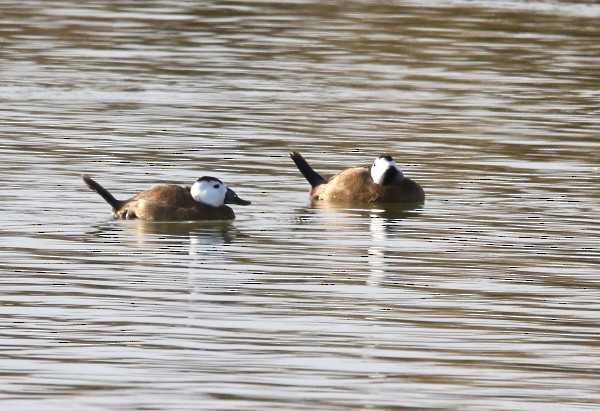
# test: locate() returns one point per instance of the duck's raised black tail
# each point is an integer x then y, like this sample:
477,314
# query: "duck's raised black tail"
108,197
307,171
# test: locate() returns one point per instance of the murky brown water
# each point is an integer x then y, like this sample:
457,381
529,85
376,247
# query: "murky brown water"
485,298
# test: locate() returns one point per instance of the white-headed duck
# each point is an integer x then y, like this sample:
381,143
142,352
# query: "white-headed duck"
205,200
381,182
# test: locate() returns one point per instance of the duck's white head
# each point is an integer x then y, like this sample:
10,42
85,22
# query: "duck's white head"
214,192
385,171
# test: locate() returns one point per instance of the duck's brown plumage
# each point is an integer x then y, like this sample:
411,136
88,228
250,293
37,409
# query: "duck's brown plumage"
357,185
165,202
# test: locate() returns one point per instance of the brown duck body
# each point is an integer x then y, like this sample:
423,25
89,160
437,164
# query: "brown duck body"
170,202
165,202
356,185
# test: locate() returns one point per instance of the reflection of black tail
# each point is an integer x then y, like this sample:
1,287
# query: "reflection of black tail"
311,175
108,197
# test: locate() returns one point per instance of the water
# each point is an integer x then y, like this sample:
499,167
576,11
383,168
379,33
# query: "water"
485,298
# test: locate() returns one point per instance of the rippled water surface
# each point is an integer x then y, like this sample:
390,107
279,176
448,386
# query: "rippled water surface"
487,297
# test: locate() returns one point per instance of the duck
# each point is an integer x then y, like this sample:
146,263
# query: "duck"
204,200
381,182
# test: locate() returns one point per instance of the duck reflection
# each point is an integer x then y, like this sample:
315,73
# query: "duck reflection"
174,236
207,243
387,211
384,227
380,229
216,230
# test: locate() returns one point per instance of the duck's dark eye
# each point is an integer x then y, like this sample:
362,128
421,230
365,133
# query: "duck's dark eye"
216,186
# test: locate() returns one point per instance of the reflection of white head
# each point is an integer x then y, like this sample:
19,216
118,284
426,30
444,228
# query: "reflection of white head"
209,190
385,171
